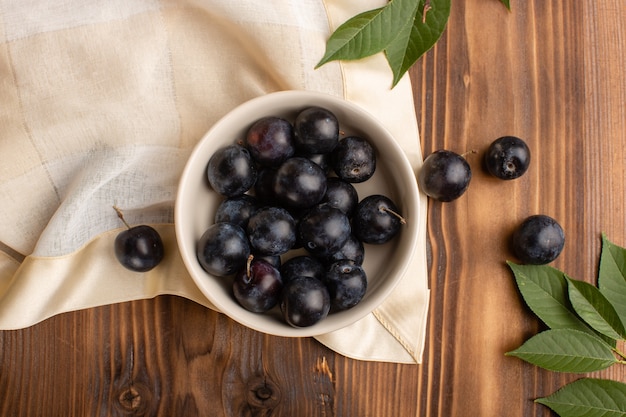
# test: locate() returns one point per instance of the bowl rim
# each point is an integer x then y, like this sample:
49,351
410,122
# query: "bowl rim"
189,255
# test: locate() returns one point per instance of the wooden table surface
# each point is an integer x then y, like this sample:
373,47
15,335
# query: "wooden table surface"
551,72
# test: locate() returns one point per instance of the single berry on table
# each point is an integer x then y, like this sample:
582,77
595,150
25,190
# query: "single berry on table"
507,158
538,240
444,175
138,248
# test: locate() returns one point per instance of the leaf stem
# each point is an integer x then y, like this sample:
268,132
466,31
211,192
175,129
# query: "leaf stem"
621,355
427,7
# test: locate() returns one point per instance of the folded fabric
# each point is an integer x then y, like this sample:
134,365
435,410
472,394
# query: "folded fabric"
103,103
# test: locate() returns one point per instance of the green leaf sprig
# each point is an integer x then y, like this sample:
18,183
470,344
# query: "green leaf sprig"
585,327
403,29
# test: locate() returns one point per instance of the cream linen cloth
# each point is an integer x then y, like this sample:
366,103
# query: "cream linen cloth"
102,103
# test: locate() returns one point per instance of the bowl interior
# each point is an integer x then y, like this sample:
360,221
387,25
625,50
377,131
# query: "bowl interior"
385,265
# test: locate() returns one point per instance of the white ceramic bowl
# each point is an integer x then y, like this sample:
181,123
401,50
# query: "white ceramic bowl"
384,264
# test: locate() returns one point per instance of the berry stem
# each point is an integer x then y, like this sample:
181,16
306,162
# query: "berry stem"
387,209
121,216
248,265
469,152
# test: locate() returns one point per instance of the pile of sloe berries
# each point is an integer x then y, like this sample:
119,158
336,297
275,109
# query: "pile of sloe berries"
289,185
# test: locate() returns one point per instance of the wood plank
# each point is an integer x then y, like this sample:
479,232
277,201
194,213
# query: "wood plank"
524,73
171,356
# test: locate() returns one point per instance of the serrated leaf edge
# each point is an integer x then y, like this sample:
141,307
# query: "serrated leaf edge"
519,275
606,278
332,56
553,332
409,22
605,327
598,382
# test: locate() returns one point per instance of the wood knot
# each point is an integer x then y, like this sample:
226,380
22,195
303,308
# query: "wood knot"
130,399
263,393
134,399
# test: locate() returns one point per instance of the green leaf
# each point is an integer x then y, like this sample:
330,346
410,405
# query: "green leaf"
595,309
612,276
544,289
418,37
506,4
361,36
566,350
588,397
404,29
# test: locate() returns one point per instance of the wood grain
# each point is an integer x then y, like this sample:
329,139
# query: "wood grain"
170,356
549,72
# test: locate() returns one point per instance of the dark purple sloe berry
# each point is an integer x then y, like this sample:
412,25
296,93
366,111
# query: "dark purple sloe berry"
377,219
270,140
223,249
299,183
507,158
271,231
304,301
236,210
231,171
347,283
138,248
317,130
538,240
444,175
354,159
257,286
